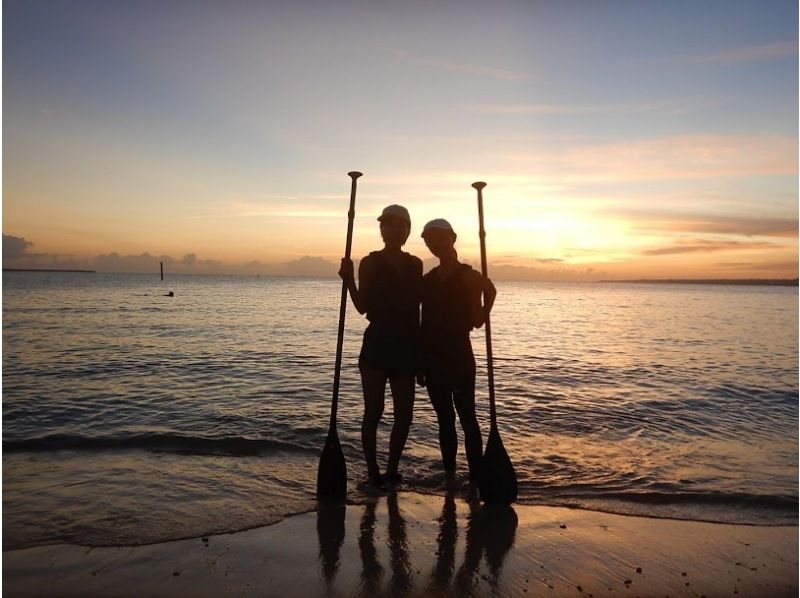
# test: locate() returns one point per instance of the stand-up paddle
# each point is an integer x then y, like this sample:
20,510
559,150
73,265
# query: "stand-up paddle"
498,484
332,472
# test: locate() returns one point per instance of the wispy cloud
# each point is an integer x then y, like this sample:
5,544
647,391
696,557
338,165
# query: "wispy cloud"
456,67
673,108
779,49
700,246
788,266
664,158
748,226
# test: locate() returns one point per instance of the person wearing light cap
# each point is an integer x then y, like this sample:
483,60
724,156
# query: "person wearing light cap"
389,294
451,308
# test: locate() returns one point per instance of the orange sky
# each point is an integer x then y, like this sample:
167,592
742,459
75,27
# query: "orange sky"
227,135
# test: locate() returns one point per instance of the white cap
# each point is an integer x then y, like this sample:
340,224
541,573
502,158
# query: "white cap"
397,212
439,223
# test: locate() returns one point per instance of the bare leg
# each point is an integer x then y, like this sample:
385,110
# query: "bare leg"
442,401
373,383
403,401
464,400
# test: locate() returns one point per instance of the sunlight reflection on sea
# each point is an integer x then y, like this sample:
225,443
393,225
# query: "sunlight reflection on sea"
131,417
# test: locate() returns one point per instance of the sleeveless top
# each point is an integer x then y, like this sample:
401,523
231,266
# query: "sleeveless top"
391,341
446,324
394,293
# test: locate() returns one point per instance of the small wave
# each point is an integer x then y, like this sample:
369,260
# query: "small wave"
714,507
740,499
173,443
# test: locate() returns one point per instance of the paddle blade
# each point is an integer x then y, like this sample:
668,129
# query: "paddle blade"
332,472
498,483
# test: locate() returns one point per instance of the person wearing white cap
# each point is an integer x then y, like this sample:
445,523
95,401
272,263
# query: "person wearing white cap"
389,294
451,307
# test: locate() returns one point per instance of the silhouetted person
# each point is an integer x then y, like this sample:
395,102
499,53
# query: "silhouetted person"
330,532
389,293
451,308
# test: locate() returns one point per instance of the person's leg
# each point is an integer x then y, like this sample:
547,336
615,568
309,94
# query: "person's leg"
464,400
373,383
403,401
442,402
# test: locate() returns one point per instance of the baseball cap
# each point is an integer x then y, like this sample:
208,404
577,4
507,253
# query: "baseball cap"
397,212
439,223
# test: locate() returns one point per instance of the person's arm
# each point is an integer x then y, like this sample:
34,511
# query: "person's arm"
364,271
480,287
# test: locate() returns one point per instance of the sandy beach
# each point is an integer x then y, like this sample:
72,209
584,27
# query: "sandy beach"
419,545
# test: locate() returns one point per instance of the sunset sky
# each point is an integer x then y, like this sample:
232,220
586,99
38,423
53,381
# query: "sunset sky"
618,139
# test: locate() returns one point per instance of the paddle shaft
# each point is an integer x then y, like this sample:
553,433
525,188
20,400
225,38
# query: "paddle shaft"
343,303
487,324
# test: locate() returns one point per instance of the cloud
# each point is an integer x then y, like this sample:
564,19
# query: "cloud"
308,266
771,51
667,158
508,272
189,260
790,266
705,247
16,255
14,247
143,262
748,226
469,69
673,108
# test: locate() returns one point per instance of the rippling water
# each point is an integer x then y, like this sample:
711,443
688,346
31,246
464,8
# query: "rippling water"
131,417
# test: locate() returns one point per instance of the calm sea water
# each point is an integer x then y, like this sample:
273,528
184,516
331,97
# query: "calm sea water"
130,417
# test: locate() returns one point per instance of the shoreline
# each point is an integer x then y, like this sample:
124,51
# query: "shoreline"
414,544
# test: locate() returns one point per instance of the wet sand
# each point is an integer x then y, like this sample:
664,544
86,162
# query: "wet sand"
418,545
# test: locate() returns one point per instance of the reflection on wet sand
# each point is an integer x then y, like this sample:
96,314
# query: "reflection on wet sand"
402,579
371,568
472,552
446,540
499,523
330,532
489,533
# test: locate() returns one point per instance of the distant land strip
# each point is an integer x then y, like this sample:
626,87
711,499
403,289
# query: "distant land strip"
774,282
44,270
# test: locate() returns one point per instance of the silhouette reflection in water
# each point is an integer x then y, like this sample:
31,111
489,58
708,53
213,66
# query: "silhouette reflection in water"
472,552
398,547
330,532
371,569
490,532
446,540
499,524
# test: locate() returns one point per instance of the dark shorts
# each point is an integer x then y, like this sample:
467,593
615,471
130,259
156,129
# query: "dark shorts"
394,352
451,366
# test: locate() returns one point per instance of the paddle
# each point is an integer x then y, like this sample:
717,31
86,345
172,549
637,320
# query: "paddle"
498,483
332,472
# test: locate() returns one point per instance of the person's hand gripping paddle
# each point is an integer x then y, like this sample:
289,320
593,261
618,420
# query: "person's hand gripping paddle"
498,483
332,472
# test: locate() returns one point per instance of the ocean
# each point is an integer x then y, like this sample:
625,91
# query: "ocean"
130,417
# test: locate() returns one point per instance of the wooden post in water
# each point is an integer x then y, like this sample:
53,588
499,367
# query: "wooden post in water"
162,270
